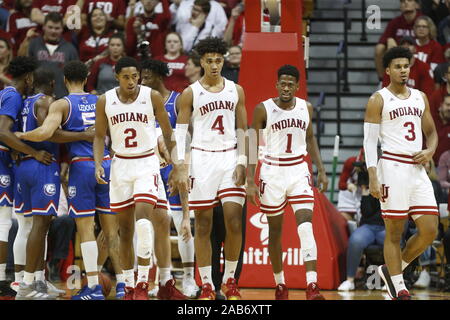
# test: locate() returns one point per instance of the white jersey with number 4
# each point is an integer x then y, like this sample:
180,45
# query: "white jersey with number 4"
214,117
286,129
401,122
131,125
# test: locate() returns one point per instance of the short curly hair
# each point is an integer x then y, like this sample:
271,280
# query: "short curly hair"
126,62
76,71
211,45
20,66
289,70
395,53
156,66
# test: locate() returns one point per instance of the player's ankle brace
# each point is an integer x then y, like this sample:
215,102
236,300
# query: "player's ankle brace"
308,243
144,239
5,222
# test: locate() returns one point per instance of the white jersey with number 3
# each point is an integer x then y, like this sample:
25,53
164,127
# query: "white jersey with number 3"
214,117
286,129
401,122
131,125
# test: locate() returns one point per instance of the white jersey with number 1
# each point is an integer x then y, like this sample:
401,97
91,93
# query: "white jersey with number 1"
131,125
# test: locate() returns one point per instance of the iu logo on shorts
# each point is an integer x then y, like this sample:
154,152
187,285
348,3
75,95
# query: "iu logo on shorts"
384,192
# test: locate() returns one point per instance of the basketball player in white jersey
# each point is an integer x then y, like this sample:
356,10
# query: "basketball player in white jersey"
136,190
397,115
216,108
285,177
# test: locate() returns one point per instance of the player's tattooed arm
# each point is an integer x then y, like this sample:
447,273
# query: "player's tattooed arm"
313,149
372,120
239,175
12,141
258,124
101,127
430,133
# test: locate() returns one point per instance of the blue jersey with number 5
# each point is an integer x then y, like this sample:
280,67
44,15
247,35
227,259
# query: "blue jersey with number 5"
81,117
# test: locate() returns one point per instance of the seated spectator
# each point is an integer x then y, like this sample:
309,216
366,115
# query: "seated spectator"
193,69
442,123
235,27
20,22
176,61
51,50
6,7
371,231
428,49
437,10
114,10
42,7
443,171
93,38
199,19
5,58
102,77
420,76
149,26
397,28
441,70
349,197
232,64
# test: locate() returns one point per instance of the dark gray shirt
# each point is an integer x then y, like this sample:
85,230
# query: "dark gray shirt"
64,53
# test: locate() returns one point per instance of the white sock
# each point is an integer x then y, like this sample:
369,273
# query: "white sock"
39,275
89,252
188,272
120,277
129,277
205,275
143,273
28,278
18,276
311,276
99,268
230,269
279,278
3,272
186,249
164,275
399,283
404,265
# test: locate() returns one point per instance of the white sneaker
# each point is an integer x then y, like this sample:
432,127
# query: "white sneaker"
423,281
54,291
15,286
347,286
190,288
154,292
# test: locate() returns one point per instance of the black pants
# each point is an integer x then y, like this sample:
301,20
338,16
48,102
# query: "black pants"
61,231
218,239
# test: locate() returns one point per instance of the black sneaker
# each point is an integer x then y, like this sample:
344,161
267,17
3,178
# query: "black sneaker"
384,274
6,293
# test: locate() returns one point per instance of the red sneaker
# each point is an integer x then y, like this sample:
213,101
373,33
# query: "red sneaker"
282,292
207,292
129,293
141,291
170,292
403,295
230,290
312,292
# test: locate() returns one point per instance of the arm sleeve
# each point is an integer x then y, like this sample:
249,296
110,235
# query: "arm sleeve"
131,38
371,132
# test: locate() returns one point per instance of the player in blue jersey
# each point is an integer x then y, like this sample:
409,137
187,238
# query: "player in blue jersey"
21,69
153,73
76,112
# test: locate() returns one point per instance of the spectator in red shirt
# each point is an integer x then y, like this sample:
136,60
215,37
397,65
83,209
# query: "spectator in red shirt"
420,76
114,9
102,77
428,49
149,26
5,58
20,22
235,28
442,122
42,7
396,29
93,38
176,61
